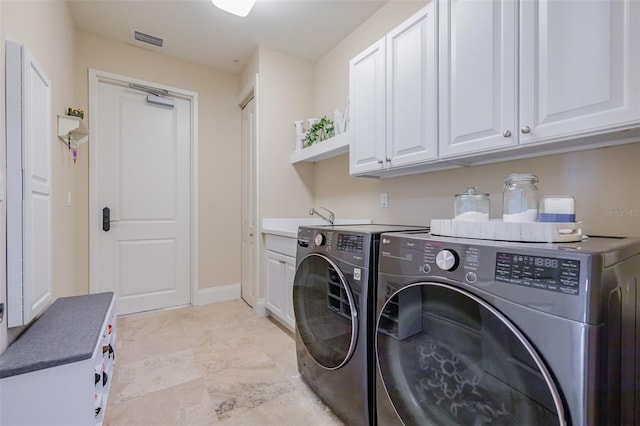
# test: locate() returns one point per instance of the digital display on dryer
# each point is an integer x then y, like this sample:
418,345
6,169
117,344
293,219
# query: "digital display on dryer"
350,243
545,273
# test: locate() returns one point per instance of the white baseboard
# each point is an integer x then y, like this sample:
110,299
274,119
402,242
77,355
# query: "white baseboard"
261,308
219,294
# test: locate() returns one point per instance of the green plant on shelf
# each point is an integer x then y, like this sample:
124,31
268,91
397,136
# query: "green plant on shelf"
319,131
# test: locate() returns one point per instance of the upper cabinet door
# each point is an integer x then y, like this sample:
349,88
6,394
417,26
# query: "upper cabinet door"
412,101
367,109
477,80
579,67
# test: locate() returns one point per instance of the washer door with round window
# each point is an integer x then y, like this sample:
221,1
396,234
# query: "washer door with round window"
446,357
325,310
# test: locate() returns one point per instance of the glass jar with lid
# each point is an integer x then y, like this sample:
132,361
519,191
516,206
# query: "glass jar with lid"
472,205
520,198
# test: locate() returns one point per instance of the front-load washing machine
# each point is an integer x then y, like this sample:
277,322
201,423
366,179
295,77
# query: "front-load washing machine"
473,332
334,304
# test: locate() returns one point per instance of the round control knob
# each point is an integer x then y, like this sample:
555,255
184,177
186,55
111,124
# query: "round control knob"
447,260
319,239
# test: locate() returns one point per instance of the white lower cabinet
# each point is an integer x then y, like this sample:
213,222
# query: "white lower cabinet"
59,371
280,272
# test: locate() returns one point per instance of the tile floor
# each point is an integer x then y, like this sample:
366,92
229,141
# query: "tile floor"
207,365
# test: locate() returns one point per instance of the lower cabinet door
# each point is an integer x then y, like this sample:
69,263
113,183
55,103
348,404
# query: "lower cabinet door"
290,273
280,270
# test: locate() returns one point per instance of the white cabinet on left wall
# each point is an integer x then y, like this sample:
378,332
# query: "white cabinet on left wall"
29,187
59,371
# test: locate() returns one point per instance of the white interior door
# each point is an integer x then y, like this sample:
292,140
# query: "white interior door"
249,211
144,178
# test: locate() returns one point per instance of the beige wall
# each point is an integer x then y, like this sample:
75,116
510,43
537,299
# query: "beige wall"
604,181
250,69
285,95
219,148
46,28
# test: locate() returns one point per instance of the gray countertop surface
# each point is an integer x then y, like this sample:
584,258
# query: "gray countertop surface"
67,332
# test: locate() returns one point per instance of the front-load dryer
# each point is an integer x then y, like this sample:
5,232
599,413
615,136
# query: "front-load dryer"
473,332
334,302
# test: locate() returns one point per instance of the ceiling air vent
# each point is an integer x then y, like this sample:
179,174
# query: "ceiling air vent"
147,38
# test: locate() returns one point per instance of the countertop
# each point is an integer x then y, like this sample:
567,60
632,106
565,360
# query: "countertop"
288,227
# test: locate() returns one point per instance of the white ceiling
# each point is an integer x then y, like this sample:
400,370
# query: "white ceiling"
197,31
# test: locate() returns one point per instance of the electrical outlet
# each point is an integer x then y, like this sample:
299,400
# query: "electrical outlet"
384,200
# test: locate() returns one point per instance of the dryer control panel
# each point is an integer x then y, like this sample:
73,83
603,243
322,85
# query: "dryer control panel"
546,273
544,277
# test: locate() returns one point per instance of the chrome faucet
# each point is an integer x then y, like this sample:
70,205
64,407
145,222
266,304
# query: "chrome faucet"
329,219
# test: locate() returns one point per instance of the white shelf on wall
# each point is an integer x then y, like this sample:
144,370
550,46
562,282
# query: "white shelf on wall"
336,145
71,130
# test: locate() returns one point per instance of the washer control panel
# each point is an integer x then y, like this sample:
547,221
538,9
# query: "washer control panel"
481,263
350,242
348,246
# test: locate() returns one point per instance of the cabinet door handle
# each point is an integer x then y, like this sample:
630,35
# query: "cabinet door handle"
506,133
380,161
525,129
388,160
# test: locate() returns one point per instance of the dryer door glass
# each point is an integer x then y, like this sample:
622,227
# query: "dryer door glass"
447,357
325,311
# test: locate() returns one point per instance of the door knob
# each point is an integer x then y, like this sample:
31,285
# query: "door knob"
106,219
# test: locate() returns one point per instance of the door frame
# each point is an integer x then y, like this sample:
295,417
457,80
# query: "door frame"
248,92
95,215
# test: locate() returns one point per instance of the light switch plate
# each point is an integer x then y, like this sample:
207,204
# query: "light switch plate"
384,200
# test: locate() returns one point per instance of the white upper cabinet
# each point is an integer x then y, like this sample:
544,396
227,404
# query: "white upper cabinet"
478,68
393,98
572,74
579,67
412,101
367,109
474,81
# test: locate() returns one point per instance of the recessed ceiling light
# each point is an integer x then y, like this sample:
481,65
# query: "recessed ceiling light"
236,7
